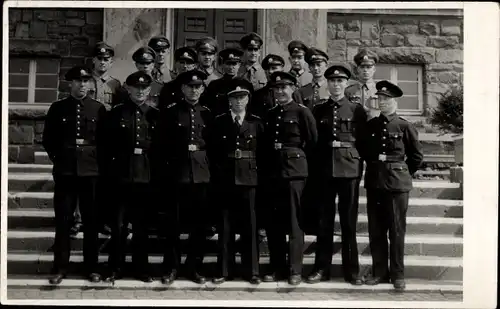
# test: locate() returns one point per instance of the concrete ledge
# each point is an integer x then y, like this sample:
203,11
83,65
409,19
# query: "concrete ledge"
457,174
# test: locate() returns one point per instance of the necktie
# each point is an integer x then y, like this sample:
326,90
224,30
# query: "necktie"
237,122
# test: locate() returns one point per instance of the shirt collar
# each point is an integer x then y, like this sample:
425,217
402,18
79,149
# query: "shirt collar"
370,84
242,116
389,118
297,73
320,83
340,102
103,77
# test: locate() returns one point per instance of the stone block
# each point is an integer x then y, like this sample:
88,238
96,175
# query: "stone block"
351,52
440,67
353,25
75,22
363,42
63,48
398,20
20,134
22,30
444,41
458,67
448,77
68,62
27,15
13,154
370,29
392,40
45,14
94,17
15,15
331,32
64,86
437,87
26,154
337,50
416,40
38,29
68,31
80,50
353,34
408,55
79,41
449,55
71,13
457,172
429,27
341,35
400,29
451,27
39,125
93,30
27,113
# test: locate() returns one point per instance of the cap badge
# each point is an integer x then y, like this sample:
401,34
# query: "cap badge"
83,72
365,57
295,49
238,88
186,55
278,78
162,43
103,50
270,60
314,57
145,55
141,79
336,72
384,88
252,42
231,56
195,77
206,45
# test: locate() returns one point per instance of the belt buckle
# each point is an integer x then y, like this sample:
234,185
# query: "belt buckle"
192,147
336,144
382,157
237,154
278,146
79,141
138,151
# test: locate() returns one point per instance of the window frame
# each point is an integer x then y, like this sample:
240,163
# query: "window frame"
31,87
394,79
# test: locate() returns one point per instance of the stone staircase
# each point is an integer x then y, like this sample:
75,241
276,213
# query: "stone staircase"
434,242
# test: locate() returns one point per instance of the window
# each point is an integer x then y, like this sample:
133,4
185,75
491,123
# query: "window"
33,80
409,79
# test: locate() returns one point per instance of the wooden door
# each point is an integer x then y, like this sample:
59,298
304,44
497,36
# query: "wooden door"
226,26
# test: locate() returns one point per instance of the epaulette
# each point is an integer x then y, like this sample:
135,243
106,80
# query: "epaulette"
153,107
403,118
116,105
255,116
171,105
302,105
274,106
114,78
218,116
206,108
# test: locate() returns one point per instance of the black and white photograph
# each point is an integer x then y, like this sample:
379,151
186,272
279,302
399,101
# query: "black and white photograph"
253,154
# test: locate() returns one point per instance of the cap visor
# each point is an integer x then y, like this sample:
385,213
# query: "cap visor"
234,92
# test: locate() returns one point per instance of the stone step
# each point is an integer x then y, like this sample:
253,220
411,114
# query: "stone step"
43,182
332,286
417,244
416,267
42,220
418,207
47,168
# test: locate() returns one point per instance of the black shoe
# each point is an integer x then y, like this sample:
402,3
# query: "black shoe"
113,276
399,285
355,280
317,276
273,277
170,278
376,280
147,278
106,230
75,229
94,277
294,280
57,278
219,280
255,280
197,278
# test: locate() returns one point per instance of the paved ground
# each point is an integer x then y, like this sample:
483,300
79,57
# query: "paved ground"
110,294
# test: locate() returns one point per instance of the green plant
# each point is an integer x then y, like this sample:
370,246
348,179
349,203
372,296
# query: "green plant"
448,116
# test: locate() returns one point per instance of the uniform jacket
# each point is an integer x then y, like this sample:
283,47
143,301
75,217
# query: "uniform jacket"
170,93
215,96
303,77
162,74
397,139
262,101
311,94
211,76
184,127
72,130
130,130
105,89
154,95
227,140
291,129
342,122
359,92
254,74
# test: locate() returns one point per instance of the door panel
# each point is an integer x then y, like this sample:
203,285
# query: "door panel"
193,25
231,25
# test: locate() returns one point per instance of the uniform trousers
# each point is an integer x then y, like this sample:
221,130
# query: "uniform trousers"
346,189
68,191
285,218
237,215
189,207
387,212
133,206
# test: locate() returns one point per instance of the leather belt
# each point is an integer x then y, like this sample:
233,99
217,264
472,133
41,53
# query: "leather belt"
390,158
193,147
339,144
138,151
241,154
81,141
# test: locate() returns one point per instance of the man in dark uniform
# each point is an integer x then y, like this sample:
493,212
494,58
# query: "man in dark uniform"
263,99
215,97
144,58
362,90
207,52
236,137
105,89
185,60
393,154
337,166
130,128
297,51
317,90
182,143
290,138
71,134
251,69
161,47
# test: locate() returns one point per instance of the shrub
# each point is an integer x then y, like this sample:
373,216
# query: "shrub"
448,116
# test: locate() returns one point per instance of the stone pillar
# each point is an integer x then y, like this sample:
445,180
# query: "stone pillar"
127,29
285,25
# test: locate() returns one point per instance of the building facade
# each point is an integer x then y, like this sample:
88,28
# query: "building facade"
421,50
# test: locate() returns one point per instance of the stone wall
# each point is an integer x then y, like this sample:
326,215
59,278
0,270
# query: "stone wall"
65,35
436,42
